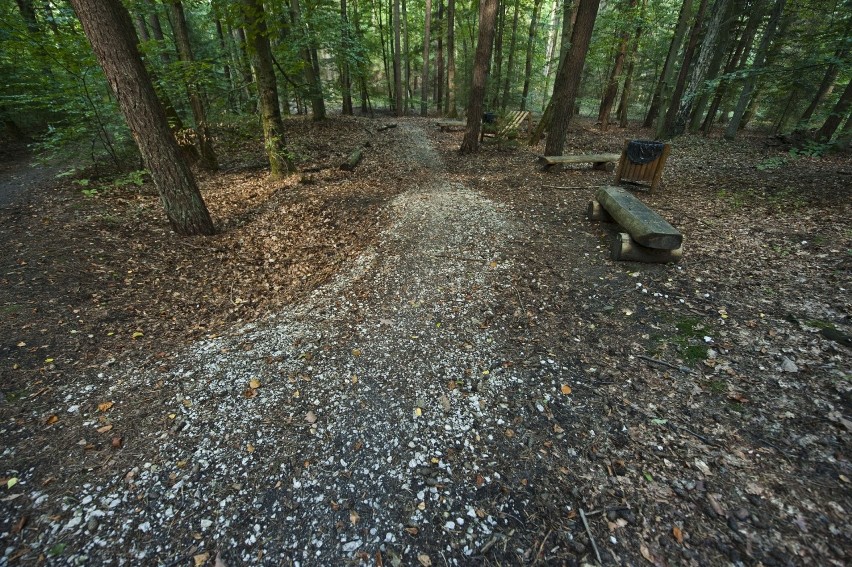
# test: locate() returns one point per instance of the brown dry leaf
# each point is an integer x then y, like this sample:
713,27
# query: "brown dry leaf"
566,389
557,429
354,517
254,383
219,561
379,561
356,352
678,534
52,419
451,385
19,525
715,505
105,428
510,433
200,559
249,448
479,480
413,530
116,442
424,560
358,445
311,417
250,393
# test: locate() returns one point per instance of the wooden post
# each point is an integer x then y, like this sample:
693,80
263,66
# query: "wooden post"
625,248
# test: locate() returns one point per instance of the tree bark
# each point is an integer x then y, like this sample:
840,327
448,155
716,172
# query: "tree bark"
397,70
439,60
196,102
107,25
751,80
628,75
424,87
838,113
568,77
827,83
345,74
660,92
310,66
511,64
530,46
487,21
452,110
226,68
280,162
408,95
497,71
615,75
710,56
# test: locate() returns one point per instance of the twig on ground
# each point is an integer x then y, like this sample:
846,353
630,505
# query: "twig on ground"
683,369
541,547
591,537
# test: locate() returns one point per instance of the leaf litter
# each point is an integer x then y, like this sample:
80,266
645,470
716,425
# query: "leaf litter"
465,290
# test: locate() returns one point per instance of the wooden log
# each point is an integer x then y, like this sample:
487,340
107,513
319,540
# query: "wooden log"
596,212
449,125
645,226
352,162
386,127
624,248
589,158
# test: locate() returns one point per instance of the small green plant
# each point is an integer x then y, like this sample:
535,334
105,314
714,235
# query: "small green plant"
132,178
812,149
689,340
86,189
771,163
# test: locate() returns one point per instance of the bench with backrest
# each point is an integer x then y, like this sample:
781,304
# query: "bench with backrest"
508,124
648,237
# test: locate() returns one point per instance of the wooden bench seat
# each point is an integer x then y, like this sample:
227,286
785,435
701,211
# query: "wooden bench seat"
604,162
450,125
648,238
508,124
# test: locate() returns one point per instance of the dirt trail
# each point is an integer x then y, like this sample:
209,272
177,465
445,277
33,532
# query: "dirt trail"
353,440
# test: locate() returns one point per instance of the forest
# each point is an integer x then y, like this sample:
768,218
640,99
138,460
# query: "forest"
291,282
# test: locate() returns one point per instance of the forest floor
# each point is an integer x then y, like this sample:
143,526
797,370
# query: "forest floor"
431,360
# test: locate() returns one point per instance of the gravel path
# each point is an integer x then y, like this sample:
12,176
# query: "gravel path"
333,431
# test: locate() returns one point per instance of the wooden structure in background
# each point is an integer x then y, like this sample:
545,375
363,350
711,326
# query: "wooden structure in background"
605,162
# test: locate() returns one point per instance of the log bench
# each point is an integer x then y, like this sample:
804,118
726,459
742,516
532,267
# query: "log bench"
648,237
451,125
605,162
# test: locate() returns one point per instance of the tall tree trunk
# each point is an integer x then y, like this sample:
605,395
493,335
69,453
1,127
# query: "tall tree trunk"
107,25
196,101
497,70
665,126
345,75
439,60
737,61
451,111
175,122
702,96
663,87
709,44
568,77
226,68
408,95
530,47
25,7
310,66
628,78
751,80
280,163
424,87
476,99
510,66
827,83
239,35
838,113
615,75
397,71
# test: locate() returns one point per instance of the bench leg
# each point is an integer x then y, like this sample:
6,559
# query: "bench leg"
625,248
607,166
596,212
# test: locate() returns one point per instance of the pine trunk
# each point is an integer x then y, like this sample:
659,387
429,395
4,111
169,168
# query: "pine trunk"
439,60
628,78
451,110
487,21
345,74
424,87
660,92
107,25
510,67
530,47
497,74
568,77
397,63
838,113
196,101
611,91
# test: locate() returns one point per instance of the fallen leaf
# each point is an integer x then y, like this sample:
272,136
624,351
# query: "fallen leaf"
254,383
510,433
219,561
354,379
424,560
715,505
445,403
678,534
105,406
354,517
413,530
379,561
116,442
138,334
19,525
479,480
105,428
356,352
418,412
200,559
22,344
702,466
187,403
557,429
52,419
311,417
249,448
11,482
250,393
566,389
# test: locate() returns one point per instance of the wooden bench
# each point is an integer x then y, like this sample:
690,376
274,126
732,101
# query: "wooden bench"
452,125
508,124
605,162
649,237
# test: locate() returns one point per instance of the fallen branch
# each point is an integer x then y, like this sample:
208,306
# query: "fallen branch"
591,538
683,369
386,127
352,162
